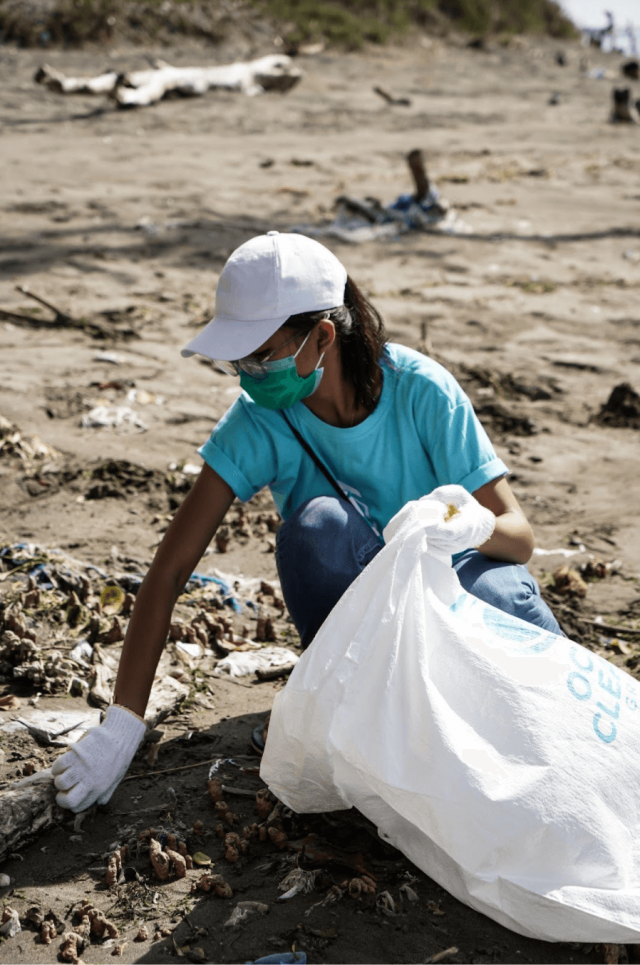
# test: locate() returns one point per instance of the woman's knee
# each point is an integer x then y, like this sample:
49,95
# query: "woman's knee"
509,587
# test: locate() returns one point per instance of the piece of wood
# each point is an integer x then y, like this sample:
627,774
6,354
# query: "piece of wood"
57,81
28,807
390,99
140,88
419,174
272,673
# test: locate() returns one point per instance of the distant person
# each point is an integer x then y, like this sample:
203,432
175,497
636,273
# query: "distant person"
345,428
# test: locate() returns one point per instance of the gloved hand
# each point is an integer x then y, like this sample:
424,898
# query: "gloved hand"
92,769
469,526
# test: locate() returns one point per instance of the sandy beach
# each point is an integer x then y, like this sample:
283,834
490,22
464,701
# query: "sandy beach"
123,220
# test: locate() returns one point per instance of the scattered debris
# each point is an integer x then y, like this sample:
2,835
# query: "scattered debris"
621,106
407,892
297,882
239,664
10,923
216,883
245,910
390,99
71,948
440,956
140,88
112,417
568,581
367,220
622,408
60,320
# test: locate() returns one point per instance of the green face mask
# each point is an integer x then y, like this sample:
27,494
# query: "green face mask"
282,387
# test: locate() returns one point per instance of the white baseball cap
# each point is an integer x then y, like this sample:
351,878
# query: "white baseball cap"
264,281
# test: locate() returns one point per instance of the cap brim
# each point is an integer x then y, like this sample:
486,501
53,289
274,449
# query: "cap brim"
228,339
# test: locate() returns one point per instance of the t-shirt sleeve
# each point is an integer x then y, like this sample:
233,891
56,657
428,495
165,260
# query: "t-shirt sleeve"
241,452
464,453
457,444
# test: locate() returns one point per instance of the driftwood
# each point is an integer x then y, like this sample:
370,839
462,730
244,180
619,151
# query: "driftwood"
29,806
61,320
140,88
57,81
415,161
621,105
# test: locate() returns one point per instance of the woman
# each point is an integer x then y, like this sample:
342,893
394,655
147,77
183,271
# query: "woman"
345,429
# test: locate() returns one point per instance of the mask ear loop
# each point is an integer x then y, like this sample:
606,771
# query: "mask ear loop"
306,339
326,319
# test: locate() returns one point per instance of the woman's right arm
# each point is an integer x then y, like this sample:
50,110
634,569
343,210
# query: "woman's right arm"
184,543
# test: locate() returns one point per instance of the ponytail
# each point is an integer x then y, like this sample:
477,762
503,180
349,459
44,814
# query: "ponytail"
361,346
361,340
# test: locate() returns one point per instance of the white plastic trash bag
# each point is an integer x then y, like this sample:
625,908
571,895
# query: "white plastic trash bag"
503,760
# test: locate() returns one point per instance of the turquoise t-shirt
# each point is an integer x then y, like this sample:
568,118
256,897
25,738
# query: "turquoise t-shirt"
423,433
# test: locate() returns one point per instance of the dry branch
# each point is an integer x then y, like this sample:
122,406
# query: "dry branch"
28,806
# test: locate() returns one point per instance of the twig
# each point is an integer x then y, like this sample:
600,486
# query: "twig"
610,628
62,319
239,791
156,807
440,956
184,767
272,673
418,171
56,311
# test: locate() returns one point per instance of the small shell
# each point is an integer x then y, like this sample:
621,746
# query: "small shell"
201,859
111,600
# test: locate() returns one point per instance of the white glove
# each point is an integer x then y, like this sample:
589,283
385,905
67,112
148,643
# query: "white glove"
466,524
92,769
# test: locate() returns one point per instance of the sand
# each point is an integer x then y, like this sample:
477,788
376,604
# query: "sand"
130,215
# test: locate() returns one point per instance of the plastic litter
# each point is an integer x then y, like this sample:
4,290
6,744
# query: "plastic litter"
112,417
241,663
58,729
378,223
467,736
82,653
142,397
10,923
111,357
194,650
245,910
560,551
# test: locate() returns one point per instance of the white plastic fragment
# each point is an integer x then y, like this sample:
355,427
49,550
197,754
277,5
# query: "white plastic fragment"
560,551
111,357
5,881
245,910
194,650
82,653
240,663
112,417
12,924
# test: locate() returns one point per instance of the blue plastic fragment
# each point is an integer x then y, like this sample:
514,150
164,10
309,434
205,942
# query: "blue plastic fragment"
44,579
233,603
281,958
201,579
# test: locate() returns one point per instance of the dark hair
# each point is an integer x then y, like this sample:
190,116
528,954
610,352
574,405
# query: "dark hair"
361,340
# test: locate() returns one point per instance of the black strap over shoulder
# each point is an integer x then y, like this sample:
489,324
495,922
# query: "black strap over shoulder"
323,469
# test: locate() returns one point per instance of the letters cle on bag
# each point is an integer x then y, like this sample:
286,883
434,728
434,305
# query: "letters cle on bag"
502,759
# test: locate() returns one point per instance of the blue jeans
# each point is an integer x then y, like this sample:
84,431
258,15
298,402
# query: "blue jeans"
326,543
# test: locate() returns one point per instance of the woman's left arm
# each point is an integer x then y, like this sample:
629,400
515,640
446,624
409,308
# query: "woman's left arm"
512,540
